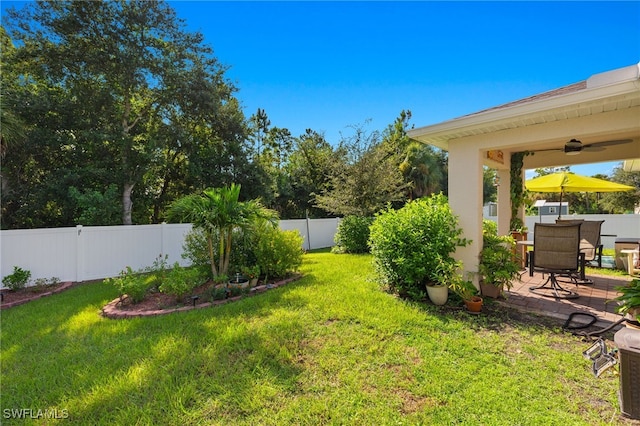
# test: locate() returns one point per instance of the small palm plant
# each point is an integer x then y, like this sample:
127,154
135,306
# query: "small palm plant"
218,211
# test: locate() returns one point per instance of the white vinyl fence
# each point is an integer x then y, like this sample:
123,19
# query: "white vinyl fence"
94,252
614,226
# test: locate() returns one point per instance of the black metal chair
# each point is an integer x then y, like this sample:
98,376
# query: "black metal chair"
556,251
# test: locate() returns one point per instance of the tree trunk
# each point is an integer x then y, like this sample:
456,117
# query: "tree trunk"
227,255
127,204
214,270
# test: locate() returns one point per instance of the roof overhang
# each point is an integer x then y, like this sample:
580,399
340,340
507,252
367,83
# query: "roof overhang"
616,90
632,165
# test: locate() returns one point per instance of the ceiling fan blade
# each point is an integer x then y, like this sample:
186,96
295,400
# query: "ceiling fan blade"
546,150
593,148
607,143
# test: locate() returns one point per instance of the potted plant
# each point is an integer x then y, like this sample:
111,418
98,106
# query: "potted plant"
467,292
251,272
629,300
499,263
442,277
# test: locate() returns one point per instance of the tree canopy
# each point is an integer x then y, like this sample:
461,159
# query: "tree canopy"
111,111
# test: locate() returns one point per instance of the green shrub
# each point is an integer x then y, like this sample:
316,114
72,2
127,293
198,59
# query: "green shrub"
414,245
195,249
158,271
42,284
499,263
134,284
277,252
353,235
17,279
181,281
218,293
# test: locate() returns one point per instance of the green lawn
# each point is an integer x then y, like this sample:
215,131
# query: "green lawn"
331,348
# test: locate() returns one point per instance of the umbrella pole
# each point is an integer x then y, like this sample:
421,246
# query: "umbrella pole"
560,208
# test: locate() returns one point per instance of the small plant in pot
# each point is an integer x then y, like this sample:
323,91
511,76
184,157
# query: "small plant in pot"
629,300
252,273
499,264
440,279
467,292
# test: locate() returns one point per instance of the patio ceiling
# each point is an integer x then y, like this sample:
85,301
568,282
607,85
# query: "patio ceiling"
604,107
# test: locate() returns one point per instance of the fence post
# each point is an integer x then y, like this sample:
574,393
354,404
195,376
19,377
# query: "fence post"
163,240
79,254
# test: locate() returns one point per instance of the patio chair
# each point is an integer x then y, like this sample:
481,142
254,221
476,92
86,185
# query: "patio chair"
556,251
590,243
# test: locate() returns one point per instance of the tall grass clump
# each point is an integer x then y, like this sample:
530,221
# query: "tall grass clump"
413,246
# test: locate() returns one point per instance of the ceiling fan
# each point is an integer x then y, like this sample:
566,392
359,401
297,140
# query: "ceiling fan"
574,146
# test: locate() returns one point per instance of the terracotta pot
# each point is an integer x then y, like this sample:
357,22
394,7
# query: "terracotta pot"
438,294
474,304
490,290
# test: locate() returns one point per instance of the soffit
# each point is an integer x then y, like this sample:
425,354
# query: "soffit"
606,92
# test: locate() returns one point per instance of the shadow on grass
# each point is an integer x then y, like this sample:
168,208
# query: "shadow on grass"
100,369
497,317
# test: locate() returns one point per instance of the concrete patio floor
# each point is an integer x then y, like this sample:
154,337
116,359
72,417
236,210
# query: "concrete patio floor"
592,298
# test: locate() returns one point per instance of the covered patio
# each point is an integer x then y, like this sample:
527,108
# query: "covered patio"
593,299
602,109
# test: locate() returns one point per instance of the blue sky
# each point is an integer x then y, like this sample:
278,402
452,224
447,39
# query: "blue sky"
331,65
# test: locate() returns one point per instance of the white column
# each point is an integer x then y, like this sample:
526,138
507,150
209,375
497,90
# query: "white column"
465,199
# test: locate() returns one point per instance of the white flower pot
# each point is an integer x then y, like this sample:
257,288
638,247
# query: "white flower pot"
438,294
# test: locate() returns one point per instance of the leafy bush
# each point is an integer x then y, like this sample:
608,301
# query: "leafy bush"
17,279
134,284
158,271
277,252
499,263
218,293
413,246
42,284
196,250
353,235
181,281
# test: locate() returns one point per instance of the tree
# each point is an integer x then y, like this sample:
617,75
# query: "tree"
421,170
366,181
489,191
623,201
218,212
419,163
123,66
309,169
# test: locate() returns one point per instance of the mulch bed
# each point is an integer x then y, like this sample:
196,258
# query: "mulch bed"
154,304
162,304
11,298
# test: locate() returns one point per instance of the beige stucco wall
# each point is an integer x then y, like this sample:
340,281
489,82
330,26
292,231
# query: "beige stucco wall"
465,165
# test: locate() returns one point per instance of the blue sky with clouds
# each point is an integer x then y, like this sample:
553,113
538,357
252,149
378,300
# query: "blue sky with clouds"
331,65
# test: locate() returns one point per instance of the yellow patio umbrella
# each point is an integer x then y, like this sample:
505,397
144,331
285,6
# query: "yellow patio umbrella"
570,182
